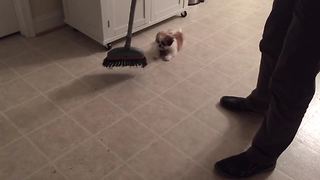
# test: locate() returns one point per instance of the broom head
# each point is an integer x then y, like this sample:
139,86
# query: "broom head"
124,56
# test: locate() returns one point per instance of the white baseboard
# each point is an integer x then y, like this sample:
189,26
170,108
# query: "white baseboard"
48,21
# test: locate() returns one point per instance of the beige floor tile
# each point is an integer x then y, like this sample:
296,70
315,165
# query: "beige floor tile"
49,39
159,115
192,31
160,162
71,95
202,143
309,133
157,79
197,13
47,173
14,93
179,22
299,162
7,132
28,62
74,58
124,173
97,115
250,78
61,49
91,160
33,114
6,74
275,175
199,173
216,117
80,65
234,13
187,96
204,53
238,89
129,96
182,65
58,137
255,21
211,80
248,53
19,160
49,77
224,41
12,46
231,66
126,137
103,79
239,127
215,22
191,132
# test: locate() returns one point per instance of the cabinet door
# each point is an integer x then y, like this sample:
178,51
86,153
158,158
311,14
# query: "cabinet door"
161,9
119,15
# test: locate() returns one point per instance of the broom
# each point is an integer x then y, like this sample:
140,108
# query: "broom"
127,55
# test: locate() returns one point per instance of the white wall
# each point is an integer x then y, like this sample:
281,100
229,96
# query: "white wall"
47,14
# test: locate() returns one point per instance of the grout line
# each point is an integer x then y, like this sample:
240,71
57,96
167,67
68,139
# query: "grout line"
29,132
91,136
48,161
24,102
160,136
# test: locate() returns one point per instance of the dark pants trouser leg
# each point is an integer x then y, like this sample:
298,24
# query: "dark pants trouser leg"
271,45
292,82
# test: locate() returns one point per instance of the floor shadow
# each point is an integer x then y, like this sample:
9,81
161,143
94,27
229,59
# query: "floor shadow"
236,139
105,81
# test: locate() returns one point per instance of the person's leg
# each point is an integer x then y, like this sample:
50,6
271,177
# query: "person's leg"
292,88
293,83
271,44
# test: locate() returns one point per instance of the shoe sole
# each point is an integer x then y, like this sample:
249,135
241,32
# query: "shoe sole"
226,175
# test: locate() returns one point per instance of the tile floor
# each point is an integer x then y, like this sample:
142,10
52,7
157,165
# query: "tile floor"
65,117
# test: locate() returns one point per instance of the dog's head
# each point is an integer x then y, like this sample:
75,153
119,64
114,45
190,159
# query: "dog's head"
164,40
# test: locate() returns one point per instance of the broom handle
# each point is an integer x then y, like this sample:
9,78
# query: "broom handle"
130,25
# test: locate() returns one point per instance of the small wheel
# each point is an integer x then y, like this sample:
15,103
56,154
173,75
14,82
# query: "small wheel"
184,14
108,46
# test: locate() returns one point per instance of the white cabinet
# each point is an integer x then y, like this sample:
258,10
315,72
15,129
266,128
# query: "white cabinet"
119,15
161,9
107,20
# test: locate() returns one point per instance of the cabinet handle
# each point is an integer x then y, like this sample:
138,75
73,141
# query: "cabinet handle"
108,23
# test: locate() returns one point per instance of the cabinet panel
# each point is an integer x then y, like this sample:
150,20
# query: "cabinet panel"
162,8
119,15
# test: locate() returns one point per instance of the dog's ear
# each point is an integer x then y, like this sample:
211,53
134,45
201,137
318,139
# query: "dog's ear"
180,38
168,40
158,37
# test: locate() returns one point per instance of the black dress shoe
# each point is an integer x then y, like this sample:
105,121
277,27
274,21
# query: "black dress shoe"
235,104
241,166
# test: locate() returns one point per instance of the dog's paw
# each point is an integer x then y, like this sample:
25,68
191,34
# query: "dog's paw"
167,57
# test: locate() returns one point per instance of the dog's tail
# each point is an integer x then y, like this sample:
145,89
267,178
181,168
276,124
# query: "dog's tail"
180,38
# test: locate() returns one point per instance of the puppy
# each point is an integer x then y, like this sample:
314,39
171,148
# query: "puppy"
168,44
